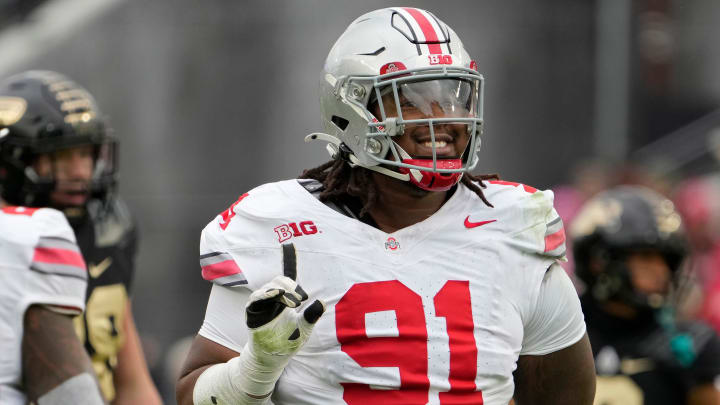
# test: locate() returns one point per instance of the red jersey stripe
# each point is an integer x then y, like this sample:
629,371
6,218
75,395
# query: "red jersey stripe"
427,29
554,240
13,210
220,269
66,309
58,256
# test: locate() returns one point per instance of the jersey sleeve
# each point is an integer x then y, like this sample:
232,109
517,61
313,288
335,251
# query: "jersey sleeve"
236,250
557,320
544,233
224,321
57,275
554,234
529,218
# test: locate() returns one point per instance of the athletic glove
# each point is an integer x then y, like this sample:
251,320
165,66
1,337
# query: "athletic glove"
277,331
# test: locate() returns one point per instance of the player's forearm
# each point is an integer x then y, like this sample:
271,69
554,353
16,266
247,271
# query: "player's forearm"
140,392
186,384
202,385
240,381
55,364
203,354
133,384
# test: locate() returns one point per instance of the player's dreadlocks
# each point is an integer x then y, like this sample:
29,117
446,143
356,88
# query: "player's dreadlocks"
338,179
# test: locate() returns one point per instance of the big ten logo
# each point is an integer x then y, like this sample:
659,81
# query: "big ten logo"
440,59
293,229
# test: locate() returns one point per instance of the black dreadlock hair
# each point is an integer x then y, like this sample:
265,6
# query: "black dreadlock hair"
339,179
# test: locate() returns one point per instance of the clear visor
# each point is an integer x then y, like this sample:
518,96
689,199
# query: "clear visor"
440,98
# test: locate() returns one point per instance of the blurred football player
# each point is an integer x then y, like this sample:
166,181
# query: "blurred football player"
629,246
43,279
428,284
58,153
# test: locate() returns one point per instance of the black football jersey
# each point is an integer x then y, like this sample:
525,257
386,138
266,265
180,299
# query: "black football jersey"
108,241
639,362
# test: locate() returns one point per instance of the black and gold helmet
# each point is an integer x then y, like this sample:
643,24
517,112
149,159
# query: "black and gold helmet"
42,112
615,223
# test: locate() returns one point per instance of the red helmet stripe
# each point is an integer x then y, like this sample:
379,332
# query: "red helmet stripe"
427,29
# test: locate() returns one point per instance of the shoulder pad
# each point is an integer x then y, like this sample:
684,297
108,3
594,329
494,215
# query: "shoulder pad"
32,223
528,217
45,238
239,247
265,202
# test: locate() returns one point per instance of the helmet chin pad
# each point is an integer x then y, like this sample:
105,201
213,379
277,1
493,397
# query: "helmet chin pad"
430,180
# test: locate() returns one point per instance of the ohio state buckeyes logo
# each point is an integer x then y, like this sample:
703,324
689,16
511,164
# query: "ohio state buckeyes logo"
392,67
392,243
293,229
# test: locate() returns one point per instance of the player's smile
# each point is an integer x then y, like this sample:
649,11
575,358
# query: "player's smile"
450,141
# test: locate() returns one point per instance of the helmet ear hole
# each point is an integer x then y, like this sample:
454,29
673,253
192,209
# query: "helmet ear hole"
340,122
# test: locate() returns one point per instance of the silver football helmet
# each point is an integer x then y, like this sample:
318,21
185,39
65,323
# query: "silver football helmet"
388,58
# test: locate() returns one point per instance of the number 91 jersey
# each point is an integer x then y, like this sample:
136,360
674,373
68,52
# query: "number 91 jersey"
437,312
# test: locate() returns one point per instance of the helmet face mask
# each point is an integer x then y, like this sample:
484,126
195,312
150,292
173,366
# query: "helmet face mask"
58,117
401,55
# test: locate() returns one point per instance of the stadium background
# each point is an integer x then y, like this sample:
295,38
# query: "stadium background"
212,98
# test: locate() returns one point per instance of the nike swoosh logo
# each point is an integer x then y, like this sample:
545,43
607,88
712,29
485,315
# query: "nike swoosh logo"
469,224
96,270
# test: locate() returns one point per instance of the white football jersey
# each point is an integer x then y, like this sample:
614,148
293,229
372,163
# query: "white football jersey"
436,313
39,264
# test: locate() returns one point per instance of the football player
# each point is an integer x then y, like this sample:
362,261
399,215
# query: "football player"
58,153
428,284
43,279
629,246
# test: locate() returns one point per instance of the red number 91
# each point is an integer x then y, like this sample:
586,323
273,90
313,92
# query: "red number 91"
408,350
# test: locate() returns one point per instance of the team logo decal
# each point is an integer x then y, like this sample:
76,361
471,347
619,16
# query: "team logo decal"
11,110
295,229
392,67
391,244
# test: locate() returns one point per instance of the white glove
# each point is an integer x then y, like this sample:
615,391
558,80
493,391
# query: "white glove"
277,331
